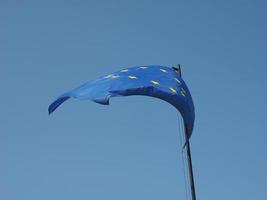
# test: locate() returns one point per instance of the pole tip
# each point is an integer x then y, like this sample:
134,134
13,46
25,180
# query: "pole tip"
177,68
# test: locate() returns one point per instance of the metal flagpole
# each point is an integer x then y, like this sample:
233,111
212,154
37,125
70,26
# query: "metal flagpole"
190,170
188,151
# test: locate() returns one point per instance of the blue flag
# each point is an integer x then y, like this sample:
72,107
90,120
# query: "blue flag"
156,81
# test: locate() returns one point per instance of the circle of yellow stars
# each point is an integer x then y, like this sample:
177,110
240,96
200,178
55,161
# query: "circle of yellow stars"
154,82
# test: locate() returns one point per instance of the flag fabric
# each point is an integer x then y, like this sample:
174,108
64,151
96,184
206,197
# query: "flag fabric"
156,81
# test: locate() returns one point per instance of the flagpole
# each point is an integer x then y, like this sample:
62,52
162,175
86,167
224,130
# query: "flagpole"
190,170
188,151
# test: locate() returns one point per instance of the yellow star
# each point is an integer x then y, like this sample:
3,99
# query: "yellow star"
183,90
142,67
114,76
108,76
182,93
173,90
163,70
132,77
124,70
177,80
154,82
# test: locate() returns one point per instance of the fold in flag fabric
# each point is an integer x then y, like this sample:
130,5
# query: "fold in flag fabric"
156,81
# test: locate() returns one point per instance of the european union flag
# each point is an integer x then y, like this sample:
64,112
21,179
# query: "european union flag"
156,81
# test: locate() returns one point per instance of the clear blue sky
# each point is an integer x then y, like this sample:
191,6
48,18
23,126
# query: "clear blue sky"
130,149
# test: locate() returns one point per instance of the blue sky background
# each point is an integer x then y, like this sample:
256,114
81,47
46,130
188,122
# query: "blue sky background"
130,149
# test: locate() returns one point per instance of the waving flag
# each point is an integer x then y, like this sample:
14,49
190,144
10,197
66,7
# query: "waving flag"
156,81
